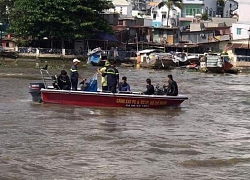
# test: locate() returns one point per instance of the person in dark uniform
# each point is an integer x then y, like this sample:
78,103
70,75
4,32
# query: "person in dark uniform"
112,77
62,81
172,88
74,74
150,88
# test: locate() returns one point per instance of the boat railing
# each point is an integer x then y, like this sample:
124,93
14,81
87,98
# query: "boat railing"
47,78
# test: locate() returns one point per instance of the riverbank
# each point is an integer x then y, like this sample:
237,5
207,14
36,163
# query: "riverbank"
59,64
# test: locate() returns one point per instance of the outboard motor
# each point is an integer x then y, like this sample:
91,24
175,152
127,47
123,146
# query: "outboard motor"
34,90
158,90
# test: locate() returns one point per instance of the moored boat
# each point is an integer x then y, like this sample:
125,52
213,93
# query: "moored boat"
184,59
215,63
153,58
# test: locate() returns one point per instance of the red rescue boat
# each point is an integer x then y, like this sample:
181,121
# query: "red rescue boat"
102,99
42,92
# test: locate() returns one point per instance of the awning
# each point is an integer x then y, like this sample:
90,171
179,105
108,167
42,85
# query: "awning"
235,46
186,19
104,36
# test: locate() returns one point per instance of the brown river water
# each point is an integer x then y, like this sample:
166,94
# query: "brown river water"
207,137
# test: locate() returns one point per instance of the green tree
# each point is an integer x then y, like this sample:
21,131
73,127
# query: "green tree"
204,16
221,2
170,5
5,7
64,19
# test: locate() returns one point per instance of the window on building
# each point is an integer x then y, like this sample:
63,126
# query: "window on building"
154,16
238,31
192,11
7,44
163,16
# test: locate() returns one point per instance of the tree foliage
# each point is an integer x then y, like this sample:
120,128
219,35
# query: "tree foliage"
5,7
65,19
204,16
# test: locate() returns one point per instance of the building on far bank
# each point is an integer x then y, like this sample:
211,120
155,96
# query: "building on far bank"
238,47
230,8
165,35
240,28
122,7
207,34
192,8
160,17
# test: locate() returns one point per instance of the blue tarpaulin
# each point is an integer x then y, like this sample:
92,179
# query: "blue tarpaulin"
106,37
95,58
91,85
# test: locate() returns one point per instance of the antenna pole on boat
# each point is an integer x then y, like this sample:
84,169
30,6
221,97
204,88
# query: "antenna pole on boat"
88,45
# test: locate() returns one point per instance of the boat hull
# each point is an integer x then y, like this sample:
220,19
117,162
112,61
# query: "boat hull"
158,64
100,99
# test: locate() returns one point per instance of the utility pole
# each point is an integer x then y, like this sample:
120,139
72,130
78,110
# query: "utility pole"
137,47
1,28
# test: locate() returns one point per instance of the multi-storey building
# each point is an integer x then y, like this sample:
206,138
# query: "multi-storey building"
191,8
121,7
241,29
160,16
230,8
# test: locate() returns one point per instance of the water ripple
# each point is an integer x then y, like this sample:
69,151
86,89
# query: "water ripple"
206,138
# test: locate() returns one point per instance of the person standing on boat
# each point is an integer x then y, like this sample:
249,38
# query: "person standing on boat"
74,74
204,58
124,86
111,54
112,77
104,78
172,88
150,88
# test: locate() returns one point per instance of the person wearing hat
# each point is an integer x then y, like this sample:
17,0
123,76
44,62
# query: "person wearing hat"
104,78
74,74
112,75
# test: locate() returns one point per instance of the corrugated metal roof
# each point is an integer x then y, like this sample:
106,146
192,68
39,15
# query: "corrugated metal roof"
230,46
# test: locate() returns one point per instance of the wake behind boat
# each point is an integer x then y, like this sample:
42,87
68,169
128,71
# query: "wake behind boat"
42,92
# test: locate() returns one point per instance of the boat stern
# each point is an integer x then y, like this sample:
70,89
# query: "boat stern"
35,91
